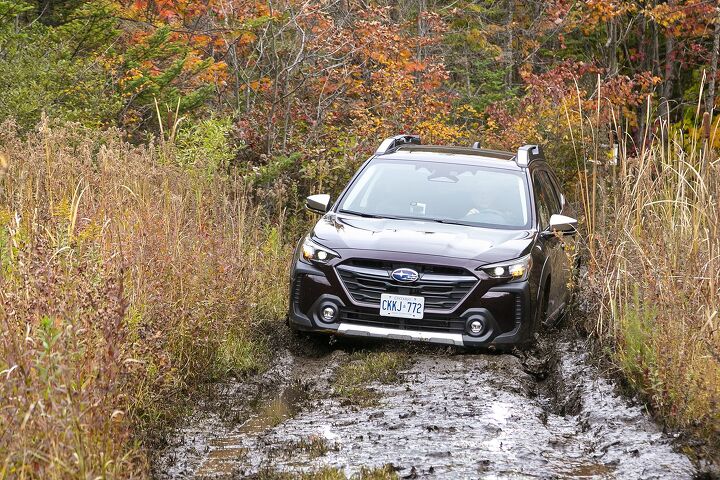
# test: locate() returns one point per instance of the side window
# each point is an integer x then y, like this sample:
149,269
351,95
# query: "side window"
552,196
556,184
541,202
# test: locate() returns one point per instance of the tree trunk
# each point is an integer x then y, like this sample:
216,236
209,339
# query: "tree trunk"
656,50
509,47
668,75
611,48
710,98
421,26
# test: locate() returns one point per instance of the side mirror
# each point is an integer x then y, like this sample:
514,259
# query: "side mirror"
563,224
318,203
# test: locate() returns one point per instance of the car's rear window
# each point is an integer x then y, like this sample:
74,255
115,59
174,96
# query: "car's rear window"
452,193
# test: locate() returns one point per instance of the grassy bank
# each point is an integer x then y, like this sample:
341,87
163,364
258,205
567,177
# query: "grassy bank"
127,278
654,274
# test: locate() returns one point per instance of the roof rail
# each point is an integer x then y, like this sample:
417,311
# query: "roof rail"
391,144
527,153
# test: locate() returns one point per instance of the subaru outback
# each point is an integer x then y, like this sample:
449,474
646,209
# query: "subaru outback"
451,245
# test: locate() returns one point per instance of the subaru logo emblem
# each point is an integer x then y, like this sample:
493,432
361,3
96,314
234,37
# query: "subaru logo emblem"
405,275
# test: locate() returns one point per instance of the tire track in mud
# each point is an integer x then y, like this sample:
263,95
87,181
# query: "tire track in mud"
546,414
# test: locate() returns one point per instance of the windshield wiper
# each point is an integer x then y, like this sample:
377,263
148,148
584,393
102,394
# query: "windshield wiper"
372,215
449,222
362,214
397,217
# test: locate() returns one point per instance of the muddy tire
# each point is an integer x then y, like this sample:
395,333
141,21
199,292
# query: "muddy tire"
543,314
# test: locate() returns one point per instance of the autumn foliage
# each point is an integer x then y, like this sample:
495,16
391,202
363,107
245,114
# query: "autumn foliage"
155,151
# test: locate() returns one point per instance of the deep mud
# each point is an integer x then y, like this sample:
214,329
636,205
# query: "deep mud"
546,414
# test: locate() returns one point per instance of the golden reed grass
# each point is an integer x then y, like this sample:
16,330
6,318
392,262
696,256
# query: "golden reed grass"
125,281
653,269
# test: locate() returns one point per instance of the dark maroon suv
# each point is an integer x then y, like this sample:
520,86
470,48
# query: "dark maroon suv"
452,245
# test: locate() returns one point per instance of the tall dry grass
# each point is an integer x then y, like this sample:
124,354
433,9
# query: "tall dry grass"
654,270
126,280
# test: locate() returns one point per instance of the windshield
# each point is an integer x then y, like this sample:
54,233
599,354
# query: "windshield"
442,192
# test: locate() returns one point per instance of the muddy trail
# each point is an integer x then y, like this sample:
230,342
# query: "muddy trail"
548,413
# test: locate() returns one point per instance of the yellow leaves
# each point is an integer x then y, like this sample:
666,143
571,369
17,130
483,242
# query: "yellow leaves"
697,134
378,56
246,38
605,10
597,12
62,209
215,73
202,40
90,232
261,85
466,110
666,14
525,70
439,130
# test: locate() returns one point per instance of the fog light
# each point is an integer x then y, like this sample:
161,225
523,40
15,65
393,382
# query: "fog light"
328,314
477,327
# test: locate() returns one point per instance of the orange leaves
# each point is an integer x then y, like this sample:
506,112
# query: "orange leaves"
311,68
261,85
246,38
378,56
202,40
666,14
168,10
597,12
215,73
261,9
558,98
412,66
683,18
605,10
678,17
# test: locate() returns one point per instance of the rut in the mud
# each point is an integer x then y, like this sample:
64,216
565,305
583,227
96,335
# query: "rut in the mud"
544,415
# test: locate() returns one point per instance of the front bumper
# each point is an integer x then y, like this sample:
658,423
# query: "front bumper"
506,310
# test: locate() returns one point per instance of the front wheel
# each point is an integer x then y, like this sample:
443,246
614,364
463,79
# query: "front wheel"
544,302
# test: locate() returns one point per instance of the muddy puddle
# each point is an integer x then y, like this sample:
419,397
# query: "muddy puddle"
452,415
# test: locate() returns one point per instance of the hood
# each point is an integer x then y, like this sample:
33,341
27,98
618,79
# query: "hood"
484,245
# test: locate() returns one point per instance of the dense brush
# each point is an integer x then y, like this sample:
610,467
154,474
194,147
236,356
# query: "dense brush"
127,279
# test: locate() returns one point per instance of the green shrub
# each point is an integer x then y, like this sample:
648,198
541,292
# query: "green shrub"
57,70
206,145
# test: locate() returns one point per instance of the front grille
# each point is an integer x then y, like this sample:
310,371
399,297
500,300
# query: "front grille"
429,324
442,287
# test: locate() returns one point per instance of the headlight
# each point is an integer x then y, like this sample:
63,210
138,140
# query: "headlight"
311,251
513,270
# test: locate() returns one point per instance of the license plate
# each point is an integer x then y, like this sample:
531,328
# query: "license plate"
403,306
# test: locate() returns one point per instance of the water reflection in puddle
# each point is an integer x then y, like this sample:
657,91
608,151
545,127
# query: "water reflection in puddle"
227,455
452,417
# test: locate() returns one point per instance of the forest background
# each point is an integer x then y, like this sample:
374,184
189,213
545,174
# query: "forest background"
155,154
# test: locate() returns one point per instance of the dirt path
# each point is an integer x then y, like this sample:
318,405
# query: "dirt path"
451,415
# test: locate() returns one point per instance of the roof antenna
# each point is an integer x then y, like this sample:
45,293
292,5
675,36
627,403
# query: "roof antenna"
476,145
